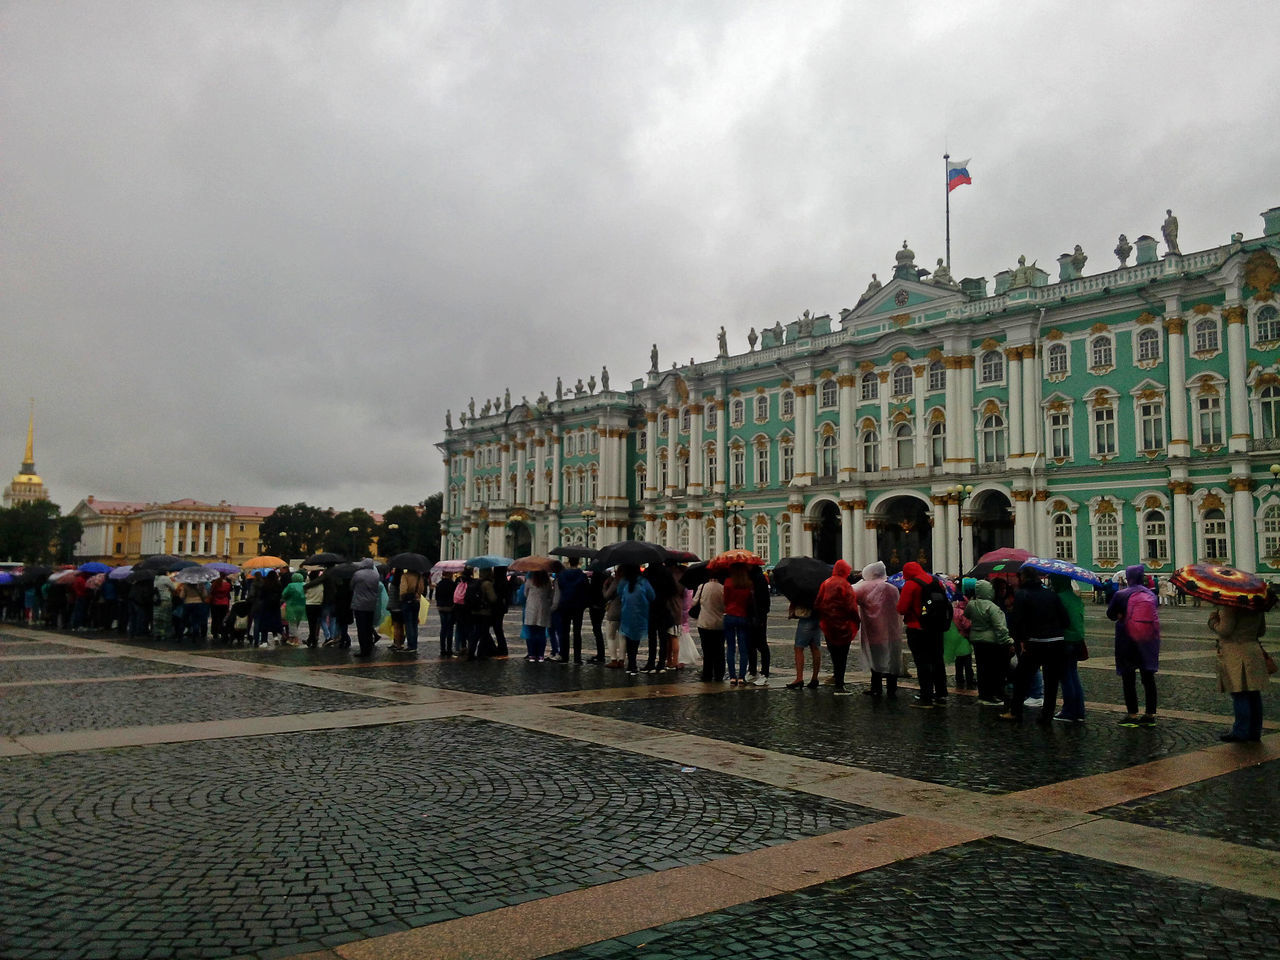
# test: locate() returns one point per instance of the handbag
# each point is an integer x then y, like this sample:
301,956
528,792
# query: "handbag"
696,609
1082,651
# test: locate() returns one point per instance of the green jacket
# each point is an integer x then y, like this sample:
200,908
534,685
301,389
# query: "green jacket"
1075,608
986,620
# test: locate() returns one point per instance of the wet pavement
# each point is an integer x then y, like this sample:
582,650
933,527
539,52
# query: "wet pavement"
164,799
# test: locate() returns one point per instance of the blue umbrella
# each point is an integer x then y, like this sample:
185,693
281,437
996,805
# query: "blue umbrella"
120,573
489,560
6,577
1063,568
93,566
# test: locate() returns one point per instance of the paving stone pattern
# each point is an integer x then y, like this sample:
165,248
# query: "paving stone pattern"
20,671
1237,807
100,706
989,900
11,646
516,677
271,845
961,745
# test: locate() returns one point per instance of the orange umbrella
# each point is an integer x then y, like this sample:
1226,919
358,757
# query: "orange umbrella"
264,563
730,557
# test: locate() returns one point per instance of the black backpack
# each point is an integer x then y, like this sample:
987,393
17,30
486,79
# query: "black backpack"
935,608
475,596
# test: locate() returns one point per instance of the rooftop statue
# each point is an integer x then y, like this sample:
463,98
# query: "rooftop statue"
471,407
1123,249
448,419
578,388
1023,275
942,275
559,389
1078,259
723,340
1170,230
506,399
752,339
604,378
591,384
779,333
653,359
484,411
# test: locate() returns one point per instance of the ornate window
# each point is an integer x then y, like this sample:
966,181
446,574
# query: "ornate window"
664,423
903,381
827,395
1268,425
1215,535
711,464
788,405
737,412
1155,537
1151,426
786,460
1060,435
1106,533
1205,333
1058,356
713,413
870,451
738,466
1104,431
992,437
991,367
1270,520
686,420
761,544
829,458
682,535
937,444
1064,536
784,538
1102,355
904,446
1209,421
762,407
937,376
1266,325
642,440
762,464
870,384
682,470
664,473
1148,345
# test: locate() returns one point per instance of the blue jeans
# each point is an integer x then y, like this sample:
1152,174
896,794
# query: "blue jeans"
1248,708
737,635
409,610
446,630
1072,689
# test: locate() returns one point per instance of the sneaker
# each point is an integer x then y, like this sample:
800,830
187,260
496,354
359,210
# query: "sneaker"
1061,719
1147,720
761,681
1033,702
1127,721
991,702
921,704
631,673
844,692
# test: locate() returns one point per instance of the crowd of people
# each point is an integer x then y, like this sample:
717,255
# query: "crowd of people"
1016,641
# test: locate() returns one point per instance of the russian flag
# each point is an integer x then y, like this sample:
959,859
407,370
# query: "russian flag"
957,174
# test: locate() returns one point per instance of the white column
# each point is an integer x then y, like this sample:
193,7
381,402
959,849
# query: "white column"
1179,437
1245,555
886,441
468,490
722,454
864,553
846,534
1013,359
944,532
810,432
505,492
1237,389
522,467
1033,422
1184,551
720,528
952,448
1024,521
673,458
967,437
696,458
651,456
920,372
557,495
848,427
186,540
204,536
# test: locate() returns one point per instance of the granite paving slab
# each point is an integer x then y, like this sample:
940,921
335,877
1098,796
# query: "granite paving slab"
124,703
1194,694
1238,807
25,671
961,745
988,900
271,845
15,647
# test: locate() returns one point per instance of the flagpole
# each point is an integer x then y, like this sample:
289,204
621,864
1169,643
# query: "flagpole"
947,189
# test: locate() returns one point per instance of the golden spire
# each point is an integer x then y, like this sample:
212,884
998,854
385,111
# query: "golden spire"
29,460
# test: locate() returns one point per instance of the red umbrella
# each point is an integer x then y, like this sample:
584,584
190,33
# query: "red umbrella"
730,557
1223,585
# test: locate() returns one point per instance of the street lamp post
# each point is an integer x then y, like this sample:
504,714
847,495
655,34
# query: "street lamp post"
962,492
736,507
353,530
391,529
590,517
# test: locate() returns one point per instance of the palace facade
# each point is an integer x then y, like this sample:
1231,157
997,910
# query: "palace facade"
1123,416
119,532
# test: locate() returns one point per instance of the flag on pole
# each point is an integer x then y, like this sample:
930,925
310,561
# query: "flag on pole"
957,174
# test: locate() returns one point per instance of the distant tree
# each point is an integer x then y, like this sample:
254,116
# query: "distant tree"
416,529
29,532
70,530
430,526
340,539
295,531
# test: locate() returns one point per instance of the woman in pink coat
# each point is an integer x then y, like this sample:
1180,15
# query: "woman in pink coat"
881,628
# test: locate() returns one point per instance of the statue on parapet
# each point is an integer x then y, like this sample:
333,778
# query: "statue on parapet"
805,321
653,359
448,419
1078,260
471,407
591,384
1023,275
942,275
779,334
604,378
752,339
1170,230
559,389
1123,249
722,339
506,399
484,411
578,388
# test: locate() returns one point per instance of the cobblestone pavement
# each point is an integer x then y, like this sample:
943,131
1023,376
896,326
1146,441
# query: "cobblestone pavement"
300,803
98,706
990,900
1239,807
317,839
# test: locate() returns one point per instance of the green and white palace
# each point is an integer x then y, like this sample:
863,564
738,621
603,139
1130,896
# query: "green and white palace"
1105,418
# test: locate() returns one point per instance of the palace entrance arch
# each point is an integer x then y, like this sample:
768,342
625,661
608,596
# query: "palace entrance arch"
992,522
904,531
519,539
826,531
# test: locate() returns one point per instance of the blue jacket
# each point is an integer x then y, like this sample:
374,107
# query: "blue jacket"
635,607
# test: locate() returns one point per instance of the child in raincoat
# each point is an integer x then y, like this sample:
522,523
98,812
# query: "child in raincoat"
956,647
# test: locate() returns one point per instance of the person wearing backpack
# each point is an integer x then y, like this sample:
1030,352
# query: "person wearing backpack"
1039,624
926,613
1137,620
462,624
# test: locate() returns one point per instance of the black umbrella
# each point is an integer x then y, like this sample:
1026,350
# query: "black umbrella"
582,553
695,576
323,560
341,571
163,563
410,561
35,574
799,578
135,575
637,552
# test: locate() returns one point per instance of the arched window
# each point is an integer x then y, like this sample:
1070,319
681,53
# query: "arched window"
711,463
1215,535
737,413
1104,431
827,396
903,381
761,544
1060,435
786,460
870,451
1209,420
682,470
1064,536
937,444
762,407
870,386
1101,352
664,423
1155,536
682,535
1148,345
992,436
904,446
991,369
737,466
1106,530
762,464
1057,357
686,418
713,413
1206,335
788,404
664,472
1267,325
937,375
784,538
830,458
1269,412
1271,533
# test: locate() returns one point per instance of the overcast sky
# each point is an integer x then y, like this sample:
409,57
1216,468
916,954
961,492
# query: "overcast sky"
252,251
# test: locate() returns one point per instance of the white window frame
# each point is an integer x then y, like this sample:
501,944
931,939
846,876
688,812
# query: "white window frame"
1154,535
904,384
787,405
1102,353
737,466
828,395
938,443
828,456
1104,438
737,412
869,387
870,441
710,463
1206,336
1215,539
762,408
899,440
760,541
1266,412
937,376
786,459
1269,532
991,368
1063,527
1058,349
1266,314
1059,435
1209,423
1145,413
1147,338
761,464
993,444
1106,542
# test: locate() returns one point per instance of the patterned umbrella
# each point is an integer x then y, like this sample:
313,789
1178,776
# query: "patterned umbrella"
1063,568
197,575
730,557
96,581
1223,585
